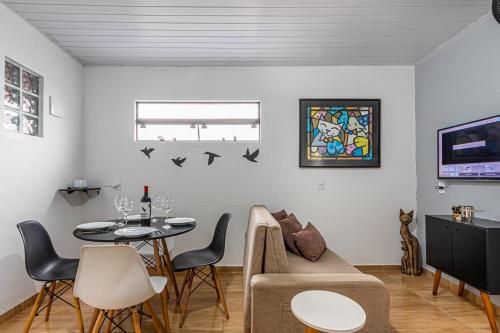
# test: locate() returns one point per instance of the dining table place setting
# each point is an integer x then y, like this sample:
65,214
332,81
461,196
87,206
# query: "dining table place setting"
141,230
136,226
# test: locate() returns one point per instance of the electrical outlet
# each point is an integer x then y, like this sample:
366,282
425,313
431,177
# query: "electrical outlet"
321,185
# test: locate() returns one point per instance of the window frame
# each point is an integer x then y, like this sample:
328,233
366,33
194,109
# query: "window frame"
197,122
21,112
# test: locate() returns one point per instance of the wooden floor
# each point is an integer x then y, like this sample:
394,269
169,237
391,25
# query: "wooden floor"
413,309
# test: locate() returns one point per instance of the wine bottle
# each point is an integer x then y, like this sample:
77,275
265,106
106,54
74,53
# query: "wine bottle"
146,207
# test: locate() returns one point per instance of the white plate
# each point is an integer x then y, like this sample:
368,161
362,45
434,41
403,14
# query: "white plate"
134,231
96,225
180,220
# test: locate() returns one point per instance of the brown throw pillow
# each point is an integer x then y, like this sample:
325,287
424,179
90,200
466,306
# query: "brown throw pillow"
289,226
309,242
280,215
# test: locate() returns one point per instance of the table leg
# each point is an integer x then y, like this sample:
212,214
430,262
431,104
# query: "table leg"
437,279
169,267
490,311
461,286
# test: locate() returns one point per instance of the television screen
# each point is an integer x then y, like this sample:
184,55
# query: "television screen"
470,151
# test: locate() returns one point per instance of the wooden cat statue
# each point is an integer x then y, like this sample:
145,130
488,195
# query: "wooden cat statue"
411,261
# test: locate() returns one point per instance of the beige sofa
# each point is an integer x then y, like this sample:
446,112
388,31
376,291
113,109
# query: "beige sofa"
272,276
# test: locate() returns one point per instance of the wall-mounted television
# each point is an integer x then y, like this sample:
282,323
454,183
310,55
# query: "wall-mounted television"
470,151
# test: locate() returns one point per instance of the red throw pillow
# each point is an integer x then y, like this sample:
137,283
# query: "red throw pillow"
289,226
280,215
310,243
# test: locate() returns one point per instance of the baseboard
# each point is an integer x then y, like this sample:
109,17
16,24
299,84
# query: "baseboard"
453,287
379,268
17,309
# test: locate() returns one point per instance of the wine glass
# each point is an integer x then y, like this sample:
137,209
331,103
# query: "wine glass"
156,203
127,207
167,205
118,202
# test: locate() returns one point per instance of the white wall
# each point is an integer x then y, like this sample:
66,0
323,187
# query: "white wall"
358,211
32,168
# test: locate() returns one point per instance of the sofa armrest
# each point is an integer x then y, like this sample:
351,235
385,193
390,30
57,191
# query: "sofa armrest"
272,294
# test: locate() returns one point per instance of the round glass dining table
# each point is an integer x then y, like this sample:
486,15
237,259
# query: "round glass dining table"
162,262
163,230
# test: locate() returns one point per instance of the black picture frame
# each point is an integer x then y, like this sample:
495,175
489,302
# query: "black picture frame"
375,162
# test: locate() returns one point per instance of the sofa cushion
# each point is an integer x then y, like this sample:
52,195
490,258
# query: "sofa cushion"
280,215
329,262
309,242
289,226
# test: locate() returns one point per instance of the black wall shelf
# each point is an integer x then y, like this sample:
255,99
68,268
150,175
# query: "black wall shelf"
70,190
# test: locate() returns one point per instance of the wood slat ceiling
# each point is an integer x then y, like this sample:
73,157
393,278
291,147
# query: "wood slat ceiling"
250,32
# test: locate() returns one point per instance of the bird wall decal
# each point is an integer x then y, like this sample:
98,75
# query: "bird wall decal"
147,151
179,161
251,157
211,157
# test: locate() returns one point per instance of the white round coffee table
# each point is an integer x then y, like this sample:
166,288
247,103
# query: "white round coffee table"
327,311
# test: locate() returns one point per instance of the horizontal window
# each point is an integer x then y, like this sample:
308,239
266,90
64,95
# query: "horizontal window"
198,121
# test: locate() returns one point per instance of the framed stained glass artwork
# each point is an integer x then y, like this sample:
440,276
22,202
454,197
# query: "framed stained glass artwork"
22,100
340,132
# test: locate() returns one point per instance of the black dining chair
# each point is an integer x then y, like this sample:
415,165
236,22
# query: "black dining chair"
44,264
194,262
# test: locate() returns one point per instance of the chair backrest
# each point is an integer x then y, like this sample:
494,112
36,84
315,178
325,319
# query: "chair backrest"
218,243
38,248
112,277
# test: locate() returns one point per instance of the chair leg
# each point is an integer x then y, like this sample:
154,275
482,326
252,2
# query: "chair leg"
136,320
156,322
164,308
110,321
93,320
219,290
98,322
79,318
159,268
186,278
34,309
215,284
52,289
188,292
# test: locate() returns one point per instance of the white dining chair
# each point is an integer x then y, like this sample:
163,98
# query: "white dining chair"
113,277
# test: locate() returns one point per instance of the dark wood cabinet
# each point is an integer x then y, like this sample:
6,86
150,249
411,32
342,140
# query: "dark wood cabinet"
468,251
